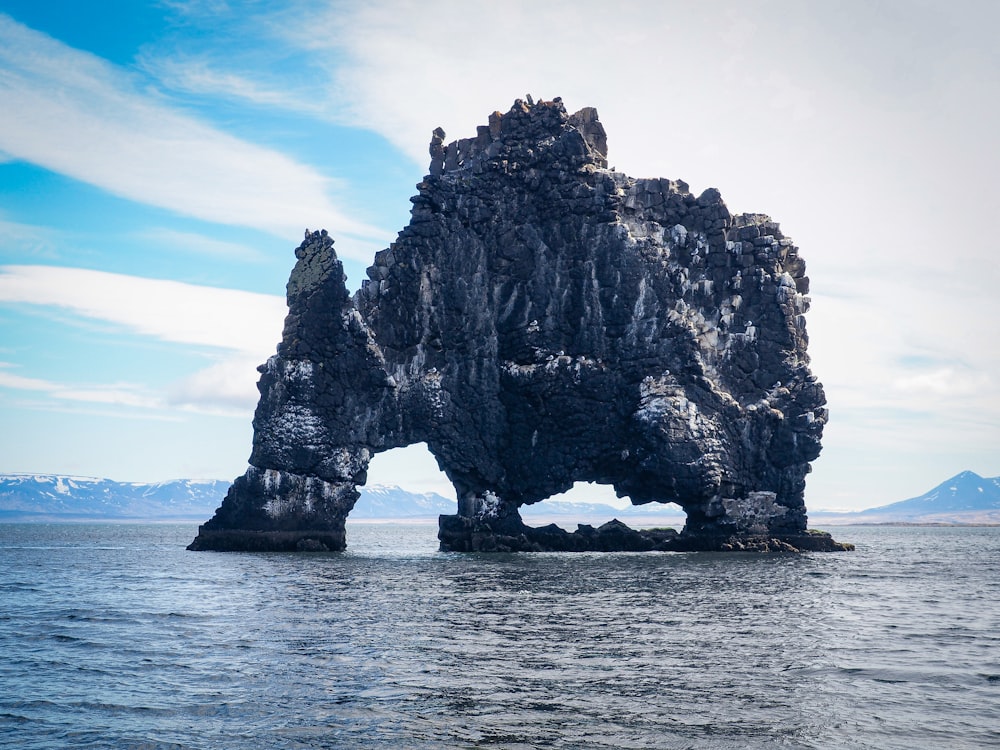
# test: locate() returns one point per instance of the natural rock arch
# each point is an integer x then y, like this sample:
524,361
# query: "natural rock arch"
543,320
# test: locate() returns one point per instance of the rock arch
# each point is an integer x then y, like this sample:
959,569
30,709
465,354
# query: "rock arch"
543,320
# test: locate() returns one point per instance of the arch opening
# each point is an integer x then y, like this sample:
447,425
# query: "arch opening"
595,504
404,485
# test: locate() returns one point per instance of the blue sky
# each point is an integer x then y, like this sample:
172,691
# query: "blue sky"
159,162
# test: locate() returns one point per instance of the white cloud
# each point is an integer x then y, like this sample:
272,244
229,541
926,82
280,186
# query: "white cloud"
942,382
201,75
242,329
26,239
118,394
227,387
672,81
46,242
73,113
173,311
197,7
19,382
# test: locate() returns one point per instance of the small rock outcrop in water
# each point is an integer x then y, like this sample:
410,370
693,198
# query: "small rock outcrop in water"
544,320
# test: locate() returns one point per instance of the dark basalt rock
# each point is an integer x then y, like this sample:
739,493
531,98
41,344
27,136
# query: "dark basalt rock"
544,320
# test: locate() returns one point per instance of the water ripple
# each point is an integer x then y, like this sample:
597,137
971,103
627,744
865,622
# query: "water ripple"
115,636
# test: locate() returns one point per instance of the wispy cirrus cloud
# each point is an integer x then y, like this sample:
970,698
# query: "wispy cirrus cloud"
943,382
28,240
75,114
21,383
202,75
117,394
197,7
227,387
226,319
237,329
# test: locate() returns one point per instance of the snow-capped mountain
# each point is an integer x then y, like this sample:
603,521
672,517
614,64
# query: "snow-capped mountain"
42,496
966,498
599,512
53,497
963,492
388,501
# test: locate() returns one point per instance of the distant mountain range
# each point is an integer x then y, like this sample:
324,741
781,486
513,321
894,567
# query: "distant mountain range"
388,502
51,497
380,502
567,512
965,498
43,497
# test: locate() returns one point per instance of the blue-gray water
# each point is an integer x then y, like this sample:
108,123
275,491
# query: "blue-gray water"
113,636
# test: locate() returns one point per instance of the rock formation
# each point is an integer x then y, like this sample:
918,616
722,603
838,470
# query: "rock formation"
544,320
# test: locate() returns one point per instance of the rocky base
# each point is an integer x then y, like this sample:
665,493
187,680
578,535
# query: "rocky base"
465,534
811,541
242,540
278,511
469,534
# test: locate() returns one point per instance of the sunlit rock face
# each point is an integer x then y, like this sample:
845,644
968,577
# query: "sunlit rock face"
544,320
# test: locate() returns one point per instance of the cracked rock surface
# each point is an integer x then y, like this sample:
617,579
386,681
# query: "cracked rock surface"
544,320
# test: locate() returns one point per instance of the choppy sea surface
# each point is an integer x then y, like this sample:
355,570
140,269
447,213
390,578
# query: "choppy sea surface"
114,636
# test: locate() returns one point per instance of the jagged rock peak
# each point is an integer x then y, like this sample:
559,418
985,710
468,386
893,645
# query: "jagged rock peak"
527,134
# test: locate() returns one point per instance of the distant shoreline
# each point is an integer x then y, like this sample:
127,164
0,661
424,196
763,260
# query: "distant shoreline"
939,524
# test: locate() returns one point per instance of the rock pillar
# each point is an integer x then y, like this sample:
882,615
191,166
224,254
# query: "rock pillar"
544,320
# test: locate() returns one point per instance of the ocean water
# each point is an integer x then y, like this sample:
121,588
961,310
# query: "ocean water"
113,636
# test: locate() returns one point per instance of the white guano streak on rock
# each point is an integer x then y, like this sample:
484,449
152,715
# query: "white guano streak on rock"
282,499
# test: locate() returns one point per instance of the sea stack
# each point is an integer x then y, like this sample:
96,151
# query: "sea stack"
544,320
